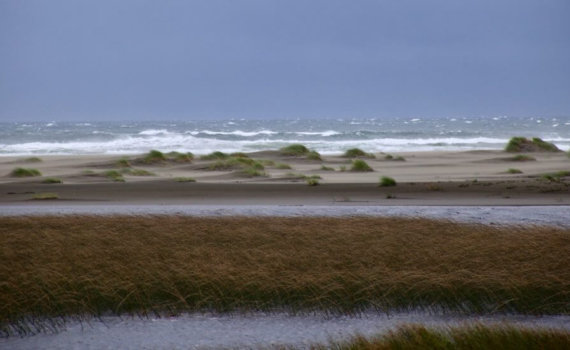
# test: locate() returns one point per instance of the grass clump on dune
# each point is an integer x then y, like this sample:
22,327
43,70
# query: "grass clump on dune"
267,162
32,160
396,158
185,179
46,196
326,168
294,150
496,337
514,171
154,156
239,155
522,144
386,181
358,165
522,158
52,180
252,172
225,164
314,155
180,157
114,175
236,163
25,172
312,181
298,150
137,172
96,265
123,163
556,176
295,176
282,166
215,155
356,153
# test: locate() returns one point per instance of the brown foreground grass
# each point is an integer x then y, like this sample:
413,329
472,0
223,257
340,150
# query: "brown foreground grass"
476,337
88,266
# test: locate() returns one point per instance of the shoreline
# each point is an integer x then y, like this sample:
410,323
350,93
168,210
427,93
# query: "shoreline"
554,216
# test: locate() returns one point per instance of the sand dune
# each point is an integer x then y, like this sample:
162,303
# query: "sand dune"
423,178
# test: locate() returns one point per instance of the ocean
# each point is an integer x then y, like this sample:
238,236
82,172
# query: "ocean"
327,136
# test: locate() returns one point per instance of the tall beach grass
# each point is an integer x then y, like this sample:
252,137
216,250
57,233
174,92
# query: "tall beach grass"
83,266
472,337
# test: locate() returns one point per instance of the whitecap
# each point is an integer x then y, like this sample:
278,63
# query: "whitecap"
318,133
236,132
152,132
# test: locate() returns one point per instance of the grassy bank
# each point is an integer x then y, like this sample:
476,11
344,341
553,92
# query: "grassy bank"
466,337
80,265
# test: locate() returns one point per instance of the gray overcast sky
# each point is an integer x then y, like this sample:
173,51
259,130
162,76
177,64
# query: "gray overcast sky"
129,59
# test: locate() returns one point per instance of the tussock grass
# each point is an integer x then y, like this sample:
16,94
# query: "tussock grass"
360,166
298,150
239,155
52,180
180,157
396,158
294,150
248,162
296,175
499,337
522,144
114,175
226,164
303,176
236,163
153,157
32,160
185,179
282,166
386,181
522,158
25,172
252,172
46,195
327,168
123,163
267,162
312,181
556,176
245,166
356,153
215,156
314,155
514,171
81,265
137,172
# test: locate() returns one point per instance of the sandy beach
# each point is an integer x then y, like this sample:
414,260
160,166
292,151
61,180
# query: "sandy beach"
476,178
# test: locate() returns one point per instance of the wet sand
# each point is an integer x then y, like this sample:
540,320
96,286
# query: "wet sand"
251,331
488,215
